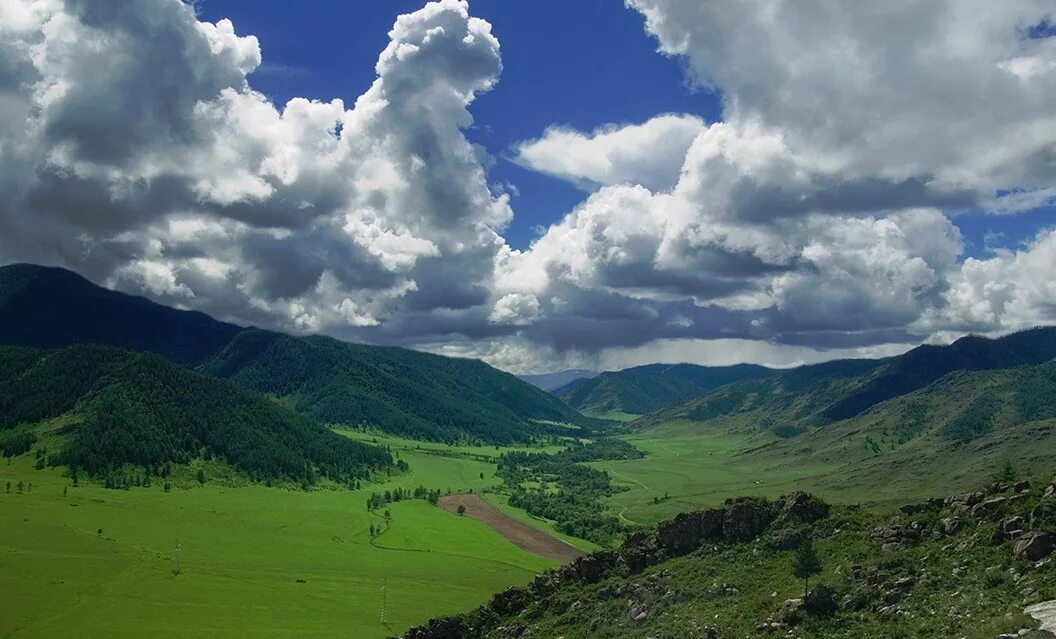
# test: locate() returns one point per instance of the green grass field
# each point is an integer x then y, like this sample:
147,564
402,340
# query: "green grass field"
694,467
255,561
700,465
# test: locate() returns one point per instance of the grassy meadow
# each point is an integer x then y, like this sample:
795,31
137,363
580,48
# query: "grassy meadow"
694,468
699,465
254,561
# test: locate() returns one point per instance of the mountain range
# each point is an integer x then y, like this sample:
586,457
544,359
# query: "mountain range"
392,389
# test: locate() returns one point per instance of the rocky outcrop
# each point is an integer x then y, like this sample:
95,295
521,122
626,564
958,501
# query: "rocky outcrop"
739,520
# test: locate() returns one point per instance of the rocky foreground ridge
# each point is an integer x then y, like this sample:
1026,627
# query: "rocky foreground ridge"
946,567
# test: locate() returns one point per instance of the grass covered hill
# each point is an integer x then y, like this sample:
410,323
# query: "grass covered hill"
401,391
966,565
392,389
941,436
99,408
51,308
792,401
648,389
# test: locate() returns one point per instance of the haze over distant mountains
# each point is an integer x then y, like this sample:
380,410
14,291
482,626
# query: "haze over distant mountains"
553,381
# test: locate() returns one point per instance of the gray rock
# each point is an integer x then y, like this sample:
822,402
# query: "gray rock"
952,525
988,508
1035,546
1045,614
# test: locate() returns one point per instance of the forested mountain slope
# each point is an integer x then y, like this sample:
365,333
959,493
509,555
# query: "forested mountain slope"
392,389
401,391
119,407
647,389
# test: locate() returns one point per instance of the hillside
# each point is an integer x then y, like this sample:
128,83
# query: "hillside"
793,401
965,565
103,408
397,390
939,436
392,389
647,389
51,308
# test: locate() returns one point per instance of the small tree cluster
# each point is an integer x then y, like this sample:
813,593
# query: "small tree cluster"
377,500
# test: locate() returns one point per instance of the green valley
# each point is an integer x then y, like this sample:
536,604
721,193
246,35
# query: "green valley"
88,561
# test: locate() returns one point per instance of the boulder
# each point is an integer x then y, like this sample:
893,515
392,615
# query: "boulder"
952,525
802,508
1012,525
988,508
820,601
1045,614
918,507
1035,546
790,613
1042,514
1022,486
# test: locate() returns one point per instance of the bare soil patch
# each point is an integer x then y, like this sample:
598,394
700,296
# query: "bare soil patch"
521,534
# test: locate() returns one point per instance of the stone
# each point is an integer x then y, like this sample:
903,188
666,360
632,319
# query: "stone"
988,508
802,508
788,539
1013,524
1045,614
1035,546
820,601
1022,486
789,614
952,525
892,547
914,508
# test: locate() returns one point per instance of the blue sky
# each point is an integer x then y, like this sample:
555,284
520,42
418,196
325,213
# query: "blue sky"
596,66
832,196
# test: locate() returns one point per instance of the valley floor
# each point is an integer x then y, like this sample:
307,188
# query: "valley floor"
254,561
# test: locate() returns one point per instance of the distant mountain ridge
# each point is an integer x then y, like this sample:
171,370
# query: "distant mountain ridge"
552,382
49,307
654,387
392,389
819,394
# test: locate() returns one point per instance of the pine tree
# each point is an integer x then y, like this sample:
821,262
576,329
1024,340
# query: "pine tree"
1007,475
806,564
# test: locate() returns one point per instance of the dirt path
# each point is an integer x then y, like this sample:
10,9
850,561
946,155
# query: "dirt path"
521,534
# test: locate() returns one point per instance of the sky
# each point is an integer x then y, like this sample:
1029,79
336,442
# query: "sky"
547,184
